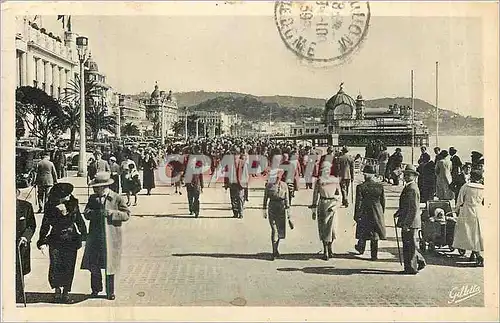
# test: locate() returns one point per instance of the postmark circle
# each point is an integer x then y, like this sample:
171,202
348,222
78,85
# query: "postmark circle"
322,31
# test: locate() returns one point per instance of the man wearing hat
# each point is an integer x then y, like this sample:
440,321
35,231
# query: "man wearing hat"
106,211
369,213
45,178
409,221
25,228
115,170
236,184
346,174
456,163
101,164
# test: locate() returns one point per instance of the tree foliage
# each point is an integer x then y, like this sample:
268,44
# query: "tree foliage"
130,129
42,114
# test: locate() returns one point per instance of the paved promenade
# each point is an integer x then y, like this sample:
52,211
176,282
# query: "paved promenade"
173,259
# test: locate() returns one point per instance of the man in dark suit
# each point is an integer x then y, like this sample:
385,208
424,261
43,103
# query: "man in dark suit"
369,213
46,177
409,221
194,185
346,174
25,228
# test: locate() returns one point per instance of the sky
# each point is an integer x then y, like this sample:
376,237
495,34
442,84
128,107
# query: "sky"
246,54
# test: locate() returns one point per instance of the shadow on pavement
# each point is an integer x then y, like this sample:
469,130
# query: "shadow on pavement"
330,270
437,258
182,216
37,297
256,256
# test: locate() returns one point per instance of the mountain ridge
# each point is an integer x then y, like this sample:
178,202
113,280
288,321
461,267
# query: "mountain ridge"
292,108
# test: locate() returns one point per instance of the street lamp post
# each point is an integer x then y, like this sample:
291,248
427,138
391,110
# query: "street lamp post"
82,45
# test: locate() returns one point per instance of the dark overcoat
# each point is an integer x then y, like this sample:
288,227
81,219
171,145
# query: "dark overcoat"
409,207
25,227
148,173
104,240
369,211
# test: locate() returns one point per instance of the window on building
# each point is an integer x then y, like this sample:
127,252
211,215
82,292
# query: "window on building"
51,90
35,83
43,86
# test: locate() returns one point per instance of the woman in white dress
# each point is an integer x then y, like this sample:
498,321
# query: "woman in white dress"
470,203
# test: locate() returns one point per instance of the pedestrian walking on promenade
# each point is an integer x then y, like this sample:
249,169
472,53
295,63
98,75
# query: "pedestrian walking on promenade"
235,183
276,202
106,211
462,179
115,170
63,230
346,174
132,183
383,158
148,175
443,177
325,201
427,178
291,175
470,204
25,229
194,187
394,166
59,162
409,221
311,168
101,164
45,178
369,213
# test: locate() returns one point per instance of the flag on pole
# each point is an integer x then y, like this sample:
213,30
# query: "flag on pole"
66,21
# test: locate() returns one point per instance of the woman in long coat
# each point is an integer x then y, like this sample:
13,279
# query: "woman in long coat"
443,177
369,213
106,211
62,216
148,176
470,208
277,203
427,178
326,198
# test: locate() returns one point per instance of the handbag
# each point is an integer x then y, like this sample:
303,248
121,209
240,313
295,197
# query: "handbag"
71,235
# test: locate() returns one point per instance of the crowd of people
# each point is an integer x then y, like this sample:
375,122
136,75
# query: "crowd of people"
115,177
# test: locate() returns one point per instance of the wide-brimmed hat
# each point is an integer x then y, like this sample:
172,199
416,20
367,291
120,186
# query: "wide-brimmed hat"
60,191
410,169
101,179
369,169
112,158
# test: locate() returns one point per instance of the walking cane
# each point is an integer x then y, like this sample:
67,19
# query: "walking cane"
397,241
21,271
29,193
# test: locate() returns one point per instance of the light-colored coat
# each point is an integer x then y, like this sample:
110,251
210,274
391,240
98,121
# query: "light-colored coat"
444,179
470,208
326,197
110,238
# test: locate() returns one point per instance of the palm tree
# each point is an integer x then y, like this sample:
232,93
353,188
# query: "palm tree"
97,119
130,129
71,106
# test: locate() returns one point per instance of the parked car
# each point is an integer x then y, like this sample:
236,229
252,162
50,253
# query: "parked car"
73,158
26,160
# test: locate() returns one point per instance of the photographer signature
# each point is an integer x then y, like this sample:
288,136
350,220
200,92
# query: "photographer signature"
460,294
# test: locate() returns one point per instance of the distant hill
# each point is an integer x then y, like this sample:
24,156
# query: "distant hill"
289,108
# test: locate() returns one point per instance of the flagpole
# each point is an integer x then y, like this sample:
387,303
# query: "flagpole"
412,122
437,110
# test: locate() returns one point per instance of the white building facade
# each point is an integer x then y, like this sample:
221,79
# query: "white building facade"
43,59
